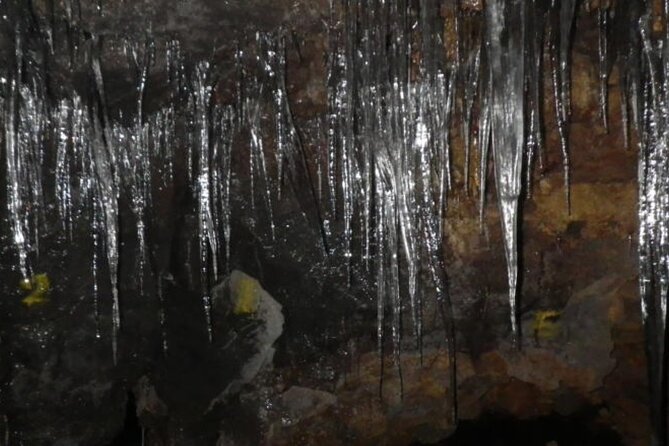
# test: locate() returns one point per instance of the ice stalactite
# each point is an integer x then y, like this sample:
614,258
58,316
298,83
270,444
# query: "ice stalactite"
106,179
561,29
534,44
626,45
24,121
505,37
32,122
389,156
276,55
347,130
603,52
338,64
484,130
294,152
567,13
260,94
470,45
133,148
141,165
161,138
16,179
63,121
106,196
208,236
225,139
85,207
654,218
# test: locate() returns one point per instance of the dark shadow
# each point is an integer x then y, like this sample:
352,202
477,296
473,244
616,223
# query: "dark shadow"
502,430
131,433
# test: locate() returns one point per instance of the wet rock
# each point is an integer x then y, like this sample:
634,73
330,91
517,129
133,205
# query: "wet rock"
300,403
566,376
149,405
246,300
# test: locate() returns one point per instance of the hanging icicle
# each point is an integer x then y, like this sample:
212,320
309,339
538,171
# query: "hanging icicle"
654,220
208,238
603,52
505,34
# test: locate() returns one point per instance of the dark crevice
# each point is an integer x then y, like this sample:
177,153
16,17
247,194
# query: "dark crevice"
131,433
579,429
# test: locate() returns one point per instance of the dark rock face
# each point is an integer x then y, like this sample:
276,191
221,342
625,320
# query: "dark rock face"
582,343
197,23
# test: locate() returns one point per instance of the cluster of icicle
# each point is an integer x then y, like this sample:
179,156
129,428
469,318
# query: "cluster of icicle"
389,123
397,85
102,158
388,156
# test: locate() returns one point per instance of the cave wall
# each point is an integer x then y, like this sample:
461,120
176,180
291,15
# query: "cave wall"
579,311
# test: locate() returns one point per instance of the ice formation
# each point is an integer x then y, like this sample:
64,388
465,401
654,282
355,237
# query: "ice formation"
397,86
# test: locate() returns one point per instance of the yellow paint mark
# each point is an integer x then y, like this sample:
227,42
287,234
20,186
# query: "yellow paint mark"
246,295
546,325
39,287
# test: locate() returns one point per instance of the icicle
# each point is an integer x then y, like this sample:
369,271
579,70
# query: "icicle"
505,28
446,94
484,140
227,130
654,220
258,164
208,241
470,62
406,213
336,64
31,131
624,116
388,272
141,164
394,287
561,120
401,231
255,90
293,152
626,45
94,271
174,68
15,179
347,136
369,107
63,174
80,129
274,54
380,284
161,131
103,162
567,14
561,72
534,43
603,25
106,191
72,19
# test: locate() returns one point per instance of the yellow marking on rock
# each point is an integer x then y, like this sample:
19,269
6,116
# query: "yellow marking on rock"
39,286
246,296
546,325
